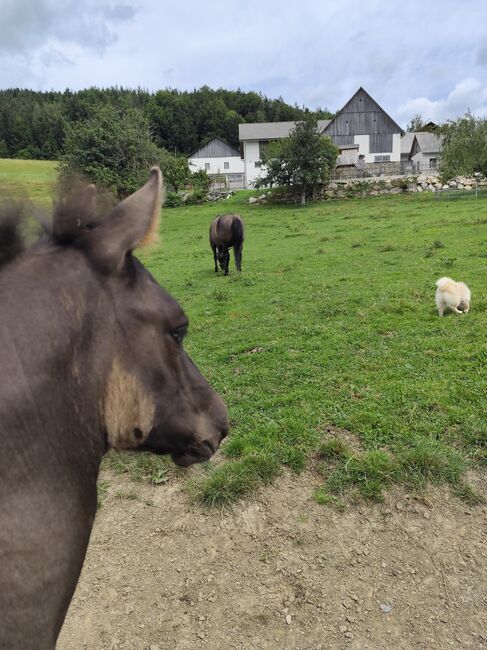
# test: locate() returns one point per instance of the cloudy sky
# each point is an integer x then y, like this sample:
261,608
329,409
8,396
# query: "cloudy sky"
413,56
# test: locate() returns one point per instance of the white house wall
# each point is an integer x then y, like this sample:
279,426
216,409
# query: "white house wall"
363,142
217,165
251,156
363,146
396,147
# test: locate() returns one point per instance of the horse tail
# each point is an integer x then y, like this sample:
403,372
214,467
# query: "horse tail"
237,230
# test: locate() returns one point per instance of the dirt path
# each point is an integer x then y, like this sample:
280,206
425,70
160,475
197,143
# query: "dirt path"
281,572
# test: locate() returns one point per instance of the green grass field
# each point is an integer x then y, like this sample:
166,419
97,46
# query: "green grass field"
34,178
328,349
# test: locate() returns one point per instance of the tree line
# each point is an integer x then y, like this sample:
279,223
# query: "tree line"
36,124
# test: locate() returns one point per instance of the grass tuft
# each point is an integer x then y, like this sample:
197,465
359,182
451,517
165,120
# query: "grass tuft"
140,466
102,488
333,449
230,482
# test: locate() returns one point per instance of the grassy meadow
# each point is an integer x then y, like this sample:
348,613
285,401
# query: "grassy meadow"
328,348
33,178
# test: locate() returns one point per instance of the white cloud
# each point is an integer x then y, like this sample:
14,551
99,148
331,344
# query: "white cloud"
469,94
413,57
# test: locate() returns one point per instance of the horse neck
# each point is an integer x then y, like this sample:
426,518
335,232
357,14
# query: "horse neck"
49,390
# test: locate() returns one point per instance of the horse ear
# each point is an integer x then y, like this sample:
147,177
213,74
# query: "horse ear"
132,223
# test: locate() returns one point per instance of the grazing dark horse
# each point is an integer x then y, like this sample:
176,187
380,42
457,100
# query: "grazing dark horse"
227,231
91,358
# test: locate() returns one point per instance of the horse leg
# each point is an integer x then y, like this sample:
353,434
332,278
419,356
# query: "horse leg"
213,248
227,260
237,249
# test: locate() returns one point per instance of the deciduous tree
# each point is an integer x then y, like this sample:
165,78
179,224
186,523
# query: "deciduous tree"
302,160
112,148
464,149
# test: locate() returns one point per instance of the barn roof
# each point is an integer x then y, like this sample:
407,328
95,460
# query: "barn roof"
271,130
407,142
215,148
428,142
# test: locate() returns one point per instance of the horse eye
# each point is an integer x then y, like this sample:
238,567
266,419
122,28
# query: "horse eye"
179,333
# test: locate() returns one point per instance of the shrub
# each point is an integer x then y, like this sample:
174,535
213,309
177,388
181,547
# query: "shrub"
112,148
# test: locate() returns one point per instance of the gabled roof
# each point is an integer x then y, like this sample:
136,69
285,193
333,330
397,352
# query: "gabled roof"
214,148
322,124
407,142
264,130
271,130
428,142
371,100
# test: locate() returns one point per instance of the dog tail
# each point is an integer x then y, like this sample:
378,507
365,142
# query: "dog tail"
442,283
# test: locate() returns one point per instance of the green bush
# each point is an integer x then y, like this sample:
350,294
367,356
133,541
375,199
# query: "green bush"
200,180
173,200
112,148
464,147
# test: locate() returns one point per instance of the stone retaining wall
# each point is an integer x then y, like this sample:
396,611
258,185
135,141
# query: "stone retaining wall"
341,189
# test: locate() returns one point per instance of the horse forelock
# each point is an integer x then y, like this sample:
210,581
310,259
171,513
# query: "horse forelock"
23,225
12,242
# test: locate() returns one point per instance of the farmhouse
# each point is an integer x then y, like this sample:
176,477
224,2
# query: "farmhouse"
362,130
421,149
426,150
222,163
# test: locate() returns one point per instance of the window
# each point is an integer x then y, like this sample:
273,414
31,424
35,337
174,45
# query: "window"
226,165
207,167
257,164
433,163
382,158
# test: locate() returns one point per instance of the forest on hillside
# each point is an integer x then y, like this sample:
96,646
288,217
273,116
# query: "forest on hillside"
34,124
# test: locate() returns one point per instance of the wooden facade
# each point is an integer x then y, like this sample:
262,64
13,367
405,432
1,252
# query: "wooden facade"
363,115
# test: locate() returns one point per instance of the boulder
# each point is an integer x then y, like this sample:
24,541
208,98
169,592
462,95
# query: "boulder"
252,199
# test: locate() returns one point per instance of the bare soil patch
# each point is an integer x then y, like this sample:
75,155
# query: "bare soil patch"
280,571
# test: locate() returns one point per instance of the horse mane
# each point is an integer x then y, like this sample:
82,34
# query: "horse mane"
12,242
75,210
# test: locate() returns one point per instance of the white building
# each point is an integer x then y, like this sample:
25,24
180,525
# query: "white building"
422,149
426,150
222,163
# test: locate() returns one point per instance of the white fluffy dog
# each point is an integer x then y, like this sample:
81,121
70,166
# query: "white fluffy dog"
455,295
